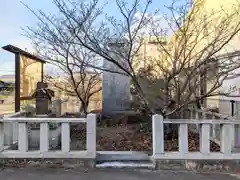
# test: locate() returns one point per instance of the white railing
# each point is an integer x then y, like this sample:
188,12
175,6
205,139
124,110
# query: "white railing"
226,127
11,129
215,129
43,152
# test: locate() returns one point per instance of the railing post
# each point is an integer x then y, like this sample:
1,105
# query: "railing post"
183,138
44,137
157,134
226,137
205,138
197,118
65,137
91,134
1,136
192,114
22,137
15,132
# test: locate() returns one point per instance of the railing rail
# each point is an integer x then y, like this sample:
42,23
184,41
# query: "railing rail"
17,114
43,120
200,121
43,152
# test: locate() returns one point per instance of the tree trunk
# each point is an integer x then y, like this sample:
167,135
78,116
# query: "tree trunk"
84,108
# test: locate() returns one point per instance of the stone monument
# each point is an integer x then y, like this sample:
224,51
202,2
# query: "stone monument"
115,87
43,96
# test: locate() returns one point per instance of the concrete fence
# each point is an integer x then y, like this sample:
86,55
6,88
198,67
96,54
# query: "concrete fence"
20,135
21,131
226,129
215,129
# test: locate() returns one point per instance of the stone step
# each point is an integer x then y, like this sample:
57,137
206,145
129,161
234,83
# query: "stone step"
123,156
123,159
126,164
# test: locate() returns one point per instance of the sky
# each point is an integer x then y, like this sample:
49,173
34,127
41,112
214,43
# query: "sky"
14,16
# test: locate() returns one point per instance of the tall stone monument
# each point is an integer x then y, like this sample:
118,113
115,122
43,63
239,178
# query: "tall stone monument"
116,87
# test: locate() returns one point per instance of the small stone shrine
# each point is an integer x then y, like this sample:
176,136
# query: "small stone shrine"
43,97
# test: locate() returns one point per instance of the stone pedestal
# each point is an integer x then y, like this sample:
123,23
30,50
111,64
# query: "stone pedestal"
41,106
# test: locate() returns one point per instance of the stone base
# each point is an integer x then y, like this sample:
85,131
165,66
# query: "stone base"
49,163
199,165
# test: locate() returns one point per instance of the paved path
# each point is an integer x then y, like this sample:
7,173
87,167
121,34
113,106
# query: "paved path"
110,174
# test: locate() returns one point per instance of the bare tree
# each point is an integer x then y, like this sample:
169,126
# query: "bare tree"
199,57
84,84
195,38
71,63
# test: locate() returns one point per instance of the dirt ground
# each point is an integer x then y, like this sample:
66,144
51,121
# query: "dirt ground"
130,138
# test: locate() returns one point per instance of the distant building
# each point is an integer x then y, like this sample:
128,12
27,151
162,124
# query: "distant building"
7,82
8,78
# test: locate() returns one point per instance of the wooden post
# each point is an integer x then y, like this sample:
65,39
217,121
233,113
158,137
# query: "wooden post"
17,82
